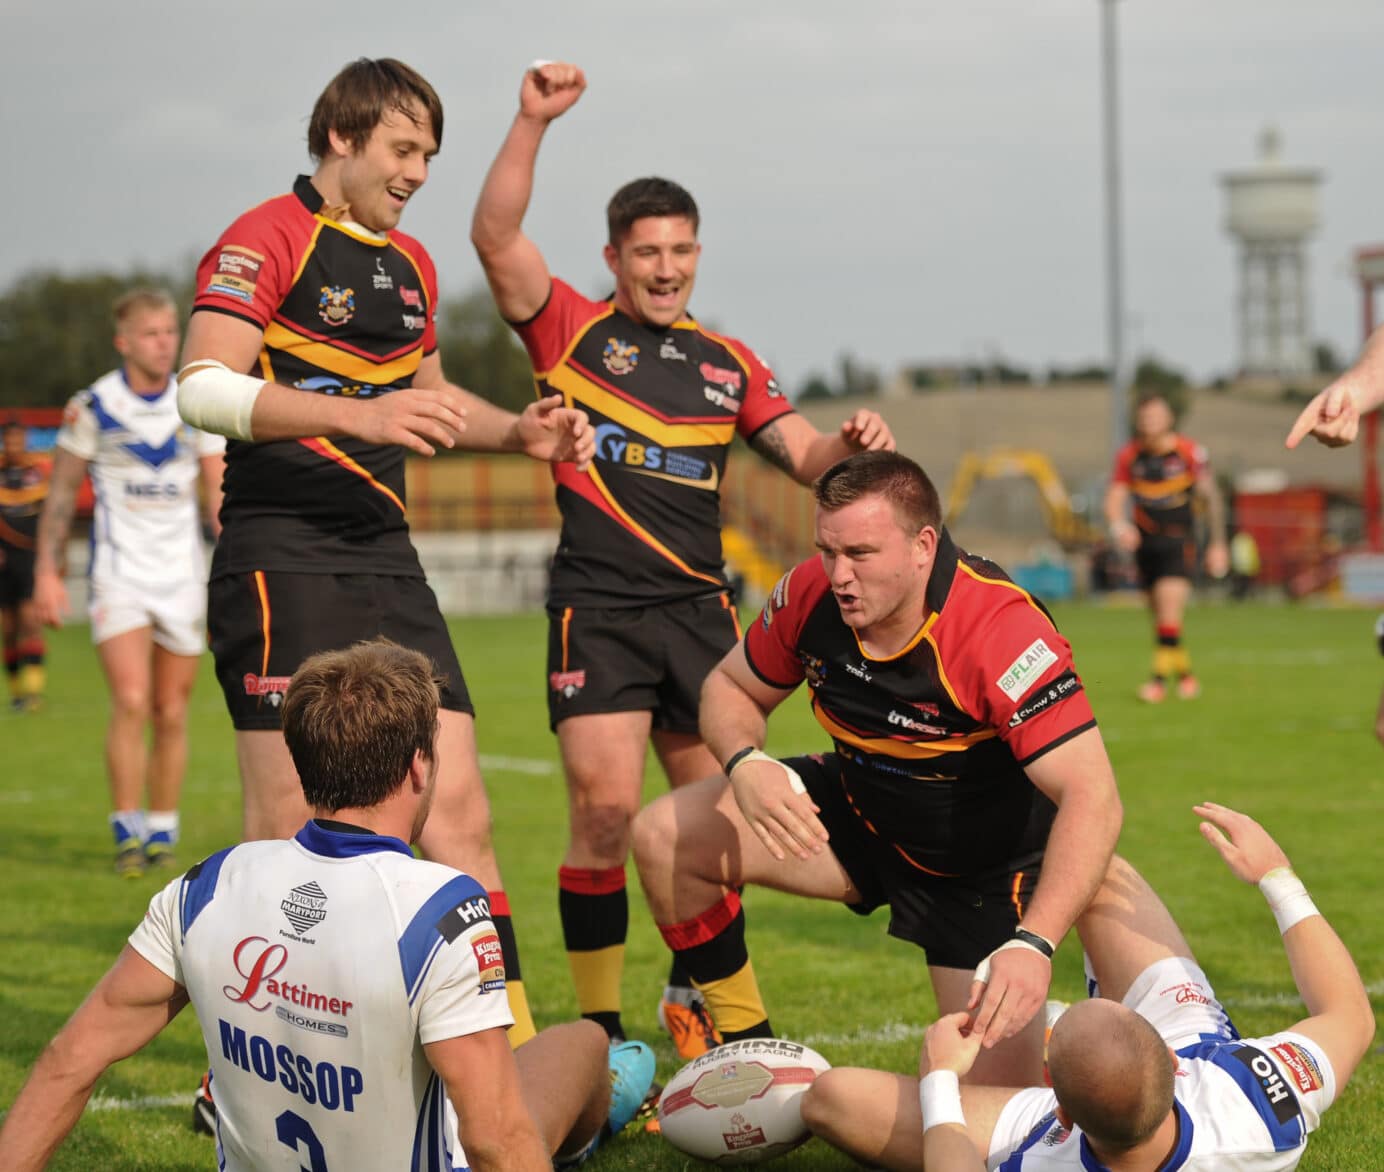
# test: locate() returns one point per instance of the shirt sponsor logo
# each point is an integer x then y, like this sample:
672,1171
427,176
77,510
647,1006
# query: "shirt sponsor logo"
616,446
258,964
620,357
778,599
1021,675
861,674
411,297
1060,689
567,683
731,380
898,718
239,261
336,306
304,907
1281,1099
490,959
380,279
216,285
669,351
312,1025
415,321
1301,1065
325,1084
722,398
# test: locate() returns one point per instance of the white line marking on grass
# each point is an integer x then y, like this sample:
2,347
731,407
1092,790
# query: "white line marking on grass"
140,1103
518,764
893,1031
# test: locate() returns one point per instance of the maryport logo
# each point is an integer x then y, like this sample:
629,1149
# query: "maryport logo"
304,906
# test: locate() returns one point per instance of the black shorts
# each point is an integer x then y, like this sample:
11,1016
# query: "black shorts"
16,574
262,625
637,659
957,921
1164,557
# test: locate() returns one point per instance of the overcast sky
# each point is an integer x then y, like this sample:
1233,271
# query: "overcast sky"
905,180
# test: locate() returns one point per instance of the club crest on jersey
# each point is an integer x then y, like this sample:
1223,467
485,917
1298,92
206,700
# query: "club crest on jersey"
620,357
336,306
813,668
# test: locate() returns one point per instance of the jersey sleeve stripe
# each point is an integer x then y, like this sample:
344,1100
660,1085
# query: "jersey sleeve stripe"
328,450
1052,744
422,938
198,887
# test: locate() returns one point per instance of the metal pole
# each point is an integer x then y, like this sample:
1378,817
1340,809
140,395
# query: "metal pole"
1114,269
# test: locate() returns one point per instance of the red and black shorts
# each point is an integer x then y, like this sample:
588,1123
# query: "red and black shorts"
262,625
956,920
1159,556
637,659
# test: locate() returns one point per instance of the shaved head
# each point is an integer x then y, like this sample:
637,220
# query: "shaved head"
1111,1072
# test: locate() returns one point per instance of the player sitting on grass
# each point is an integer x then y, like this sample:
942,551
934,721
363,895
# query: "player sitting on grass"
347,991
1154,1078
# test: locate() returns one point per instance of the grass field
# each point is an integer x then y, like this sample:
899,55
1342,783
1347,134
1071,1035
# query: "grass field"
1283,731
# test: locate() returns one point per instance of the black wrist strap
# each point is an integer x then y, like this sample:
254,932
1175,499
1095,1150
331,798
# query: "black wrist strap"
738,756
1034,941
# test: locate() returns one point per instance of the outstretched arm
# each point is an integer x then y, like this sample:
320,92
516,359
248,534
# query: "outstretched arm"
516,270
1333,417
792,444
129,1005
1340,1018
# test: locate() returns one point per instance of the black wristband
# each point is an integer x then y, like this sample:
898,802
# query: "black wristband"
738,756
1033,940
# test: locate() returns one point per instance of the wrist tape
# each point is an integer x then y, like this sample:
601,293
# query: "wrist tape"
751,754
983,968
1288,898
215,398
939,1095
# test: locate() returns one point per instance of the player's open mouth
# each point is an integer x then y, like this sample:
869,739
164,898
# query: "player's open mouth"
398,193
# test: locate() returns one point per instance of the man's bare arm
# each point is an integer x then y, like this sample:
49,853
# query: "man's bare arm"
794,446
129,1005
55,522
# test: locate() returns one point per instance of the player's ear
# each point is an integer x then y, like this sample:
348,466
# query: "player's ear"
612,258
925,545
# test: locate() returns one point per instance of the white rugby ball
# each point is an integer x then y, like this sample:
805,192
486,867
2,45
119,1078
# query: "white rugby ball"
740,1103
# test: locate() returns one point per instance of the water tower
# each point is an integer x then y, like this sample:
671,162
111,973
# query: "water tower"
1272,209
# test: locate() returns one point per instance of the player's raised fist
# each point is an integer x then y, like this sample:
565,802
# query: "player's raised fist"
549,89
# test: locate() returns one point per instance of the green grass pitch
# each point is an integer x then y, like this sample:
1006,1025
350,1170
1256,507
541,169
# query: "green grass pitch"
1283,731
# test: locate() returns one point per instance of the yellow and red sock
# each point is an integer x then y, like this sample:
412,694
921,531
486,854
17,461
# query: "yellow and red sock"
711,948
523,1028
593,905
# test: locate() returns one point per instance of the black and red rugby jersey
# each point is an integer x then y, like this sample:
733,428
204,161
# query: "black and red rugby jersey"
23,489
343,313
643,525
933,741
1163,485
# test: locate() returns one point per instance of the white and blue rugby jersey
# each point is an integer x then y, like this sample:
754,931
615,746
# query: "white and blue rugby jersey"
143,463
319,967
1245,1105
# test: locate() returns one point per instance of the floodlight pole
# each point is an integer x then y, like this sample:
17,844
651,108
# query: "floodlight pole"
1114,267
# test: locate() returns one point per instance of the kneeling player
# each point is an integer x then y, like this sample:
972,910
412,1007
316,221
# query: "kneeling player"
1156,1077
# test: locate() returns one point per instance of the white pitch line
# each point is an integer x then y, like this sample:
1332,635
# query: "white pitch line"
518,764
140,1103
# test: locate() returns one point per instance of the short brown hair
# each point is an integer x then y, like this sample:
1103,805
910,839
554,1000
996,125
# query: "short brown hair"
138,300
888,474
354,719
641,198
361,94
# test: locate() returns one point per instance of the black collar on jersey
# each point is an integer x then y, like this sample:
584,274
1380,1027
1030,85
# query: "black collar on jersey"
939,582
307,194
342,827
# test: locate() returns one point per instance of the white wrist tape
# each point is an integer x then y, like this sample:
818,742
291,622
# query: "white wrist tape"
794,781
939,1095
983,968
215,398
1288,898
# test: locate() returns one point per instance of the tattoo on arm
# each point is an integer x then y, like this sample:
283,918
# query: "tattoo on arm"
768,441
60,506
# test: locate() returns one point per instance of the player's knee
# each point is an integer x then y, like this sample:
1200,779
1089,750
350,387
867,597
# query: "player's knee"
823,1102
131,702
169,716
653,832
604,831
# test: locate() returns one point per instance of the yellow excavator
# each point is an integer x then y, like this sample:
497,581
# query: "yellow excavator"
1069,529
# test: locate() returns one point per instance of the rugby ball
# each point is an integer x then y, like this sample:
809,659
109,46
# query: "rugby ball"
740,1103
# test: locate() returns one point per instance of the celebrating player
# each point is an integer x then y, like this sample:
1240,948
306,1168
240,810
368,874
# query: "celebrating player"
968,789
639,606
23,485
1163,474
1155,1077
148,566
384,973
333,310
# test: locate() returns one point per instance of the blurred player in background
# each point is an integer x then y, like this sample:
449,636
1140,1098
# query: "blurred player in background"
639,605
384,972
148,567
333,310
1161,476
23,486
967,789
1155,1077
